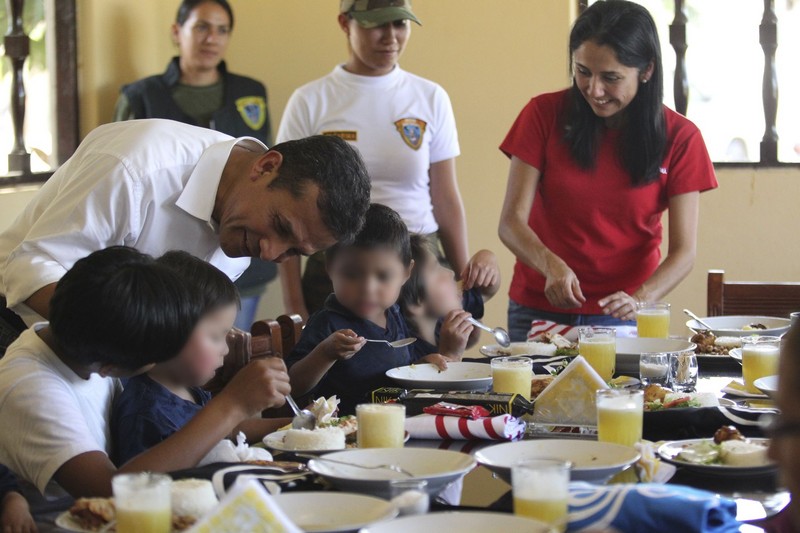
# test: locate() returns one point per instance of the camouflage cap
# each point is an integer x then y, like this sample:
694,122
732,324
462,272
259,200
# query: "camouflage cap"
374,13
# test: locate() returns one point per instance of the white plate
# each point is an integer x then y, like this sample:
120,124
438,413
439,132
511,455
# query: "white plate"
591,461
334,511
463,522
731,326
735,353
274,441
768,385
458,376
669,452
438,467
495,350
65,521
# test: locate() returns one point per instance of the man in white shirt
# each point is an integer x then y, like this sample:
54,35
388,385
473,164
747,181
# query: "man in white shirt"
157,185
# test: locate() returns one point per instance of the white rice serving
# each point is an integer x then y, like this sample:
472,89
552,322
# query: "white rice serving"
192,498
534,348
329,438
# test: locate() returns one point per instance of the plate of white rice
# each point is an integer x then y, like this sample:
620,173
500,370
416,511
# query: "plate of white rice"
319,440
546,349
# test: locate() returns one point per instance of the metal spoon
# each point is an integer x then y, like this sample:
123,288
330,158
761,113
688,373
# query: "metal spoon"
500,335
395,344
697,319
303,419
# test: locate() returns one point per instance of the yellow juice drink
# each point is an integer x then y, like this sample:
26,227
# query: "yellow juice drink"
549,511
758,361
512,379
601,354
653,323
619,416
144,520
381,425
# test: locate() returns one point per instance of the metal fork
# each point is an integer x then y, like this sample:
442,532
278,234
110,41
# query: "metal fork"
393,468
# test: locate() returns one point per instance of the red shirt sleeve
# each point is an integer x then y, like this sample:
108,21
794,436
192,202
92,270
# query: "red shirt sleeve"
527,139
687,162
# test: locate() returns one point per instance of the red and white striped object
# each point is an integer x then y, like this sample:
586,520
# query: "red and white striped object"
502,427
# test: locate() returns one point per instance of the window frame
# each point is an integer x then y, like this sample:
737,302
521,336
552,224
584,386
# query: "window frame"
66,134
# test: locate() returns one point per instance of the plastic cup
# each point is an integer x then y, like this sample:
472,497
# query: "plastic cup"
540,490
381,425
143,503
620,413
599,347
652,320
512,375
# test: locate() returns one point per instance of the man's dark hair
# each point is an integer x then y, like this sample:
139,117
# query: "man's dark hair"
187,6
383,228
337,169
211,289
119,307
413,291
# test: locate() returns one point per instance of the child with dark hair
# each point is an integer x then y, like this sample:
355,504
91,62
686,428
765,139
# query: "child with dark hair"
437,309
156,404
332,355
114,314
15,515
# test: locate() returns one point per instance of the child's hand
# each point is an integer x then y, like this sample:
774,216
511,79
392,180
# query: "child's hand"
436,359
262,384
481,271
343,344
15,515
455,333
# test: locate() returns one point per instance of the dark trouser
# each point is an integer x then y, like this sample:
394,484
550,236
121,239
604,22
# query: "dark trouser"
11,325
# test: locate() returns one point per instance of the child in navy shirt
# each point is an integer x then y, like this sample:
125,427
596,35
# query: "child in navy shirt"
156,404
437,309
332,355
15,515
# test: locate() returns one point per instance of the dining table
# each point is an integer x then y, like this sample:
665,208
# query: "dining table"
757,497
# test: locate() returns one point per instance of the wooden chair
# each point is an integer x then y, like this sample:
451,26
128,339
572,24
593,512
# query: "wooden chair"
751,298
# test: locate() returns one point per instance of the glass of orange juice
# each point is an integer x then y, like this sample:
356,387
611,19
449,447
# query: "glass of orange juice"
512,375
652,320
143,503
381,425
620,413
540,490
599,347
760,357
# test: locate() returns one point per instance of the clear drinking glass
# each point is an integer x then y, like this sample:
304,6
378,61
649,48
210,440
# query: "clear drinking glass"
654,368
620,413
683,372
512,375
381,425
599,347
540,490
143,503
652,320
760,357
410,496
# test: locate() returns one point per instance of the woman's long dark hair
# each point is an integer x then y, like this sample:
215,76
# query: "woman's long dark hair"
629,30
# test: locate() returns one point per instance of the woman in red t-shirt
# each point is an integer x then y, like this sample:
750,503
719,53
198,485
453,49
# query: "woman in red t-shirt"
592,169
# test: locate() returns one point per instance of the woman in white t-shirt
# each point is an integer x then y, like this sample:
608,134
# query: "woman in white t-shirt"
402,124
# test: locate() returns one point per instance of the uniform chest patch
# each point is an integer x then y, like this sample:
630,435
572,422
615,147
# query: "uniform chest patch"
345,135
253,110
411,130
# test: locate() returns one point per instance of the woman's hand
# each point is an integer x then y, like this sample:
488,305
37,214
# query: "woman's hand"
619,305
481,271
562,287
343,344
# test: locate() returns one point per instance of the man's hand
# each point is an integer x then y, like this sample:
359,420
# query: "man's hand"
343,344
15,515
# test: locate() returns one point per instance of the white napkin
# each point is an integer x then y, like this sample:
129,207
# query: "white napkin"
227,452
501,427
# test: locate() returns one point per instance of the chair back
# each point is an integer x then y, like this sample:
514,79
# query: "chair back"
751,298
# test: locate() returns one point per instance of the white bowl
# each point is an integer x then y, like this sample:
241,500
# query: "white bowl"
438,467
458,376
768,385
334,511
463,522
592,461
630,348
731,326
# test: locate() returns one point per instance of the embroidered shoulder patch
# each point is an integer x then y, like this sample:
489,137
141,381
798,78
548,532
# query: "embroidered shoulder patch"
412,131
253,110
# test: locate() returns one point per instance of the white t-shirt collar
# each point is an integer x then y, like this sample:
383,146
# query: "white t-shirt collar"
200,192
386,80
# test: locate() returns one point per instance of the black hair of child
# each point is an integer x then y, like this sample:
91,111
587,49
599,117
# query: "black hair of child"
211,288
383,228
413,291
119,307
